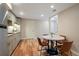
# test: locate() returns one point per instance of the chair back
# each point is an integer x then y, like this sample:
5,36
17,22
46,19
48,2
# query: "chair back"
39,41
45,40
61,41
66,46
64,37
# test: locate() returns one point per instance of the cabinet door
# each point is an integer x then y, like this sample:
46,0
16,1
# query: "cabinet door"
13,41
17,37
3,42
10,43
11,47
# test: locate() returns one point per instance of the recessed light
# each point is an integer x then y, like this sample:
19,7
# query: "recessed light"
51,6
42,15
21,13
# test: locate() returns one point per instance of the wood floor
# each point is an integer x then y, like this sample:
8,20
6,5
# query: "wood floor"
28,47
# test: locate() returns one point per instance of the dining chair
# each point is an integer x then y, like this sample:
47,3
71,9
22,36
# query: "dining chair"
66,48
42,43
60,42
65,38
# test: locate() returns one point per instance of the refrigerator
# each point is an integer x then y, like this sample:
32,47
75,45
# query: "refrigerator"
4,51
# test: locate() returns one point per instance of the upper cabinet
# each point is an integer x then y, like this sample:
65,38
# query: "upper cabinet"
11,19
3,12
18,21
13,23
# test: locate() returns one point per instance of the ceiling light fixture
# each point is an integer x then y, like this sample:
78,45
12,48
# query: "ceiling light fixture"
21,13
51,6
42,15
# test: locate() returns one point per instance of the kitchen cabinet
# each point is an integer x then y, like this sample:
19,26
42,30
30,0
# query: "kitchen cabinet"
13,41
13,31
4,51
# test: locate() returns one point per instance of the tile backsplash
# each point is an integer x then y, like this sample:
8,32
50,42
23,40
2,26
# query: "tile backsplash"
13,29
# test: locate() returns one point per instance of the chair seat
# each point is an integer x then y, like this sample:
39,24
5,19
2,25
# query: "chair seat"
59,44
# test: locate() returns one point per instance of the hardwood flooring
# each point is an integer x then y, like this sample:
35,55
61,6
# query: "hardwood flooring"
28,47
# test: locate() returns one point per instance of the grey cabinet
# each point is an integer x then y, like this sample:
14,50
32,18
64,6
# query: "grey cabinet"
4,51
13,41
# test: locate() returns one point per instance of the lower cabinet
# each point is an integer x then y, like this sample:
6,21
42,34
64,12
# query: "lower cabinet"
13,41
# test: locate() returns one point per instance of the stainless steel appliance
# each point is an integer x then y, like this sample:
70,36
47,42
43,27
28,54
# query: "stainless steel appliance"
4,51
3,41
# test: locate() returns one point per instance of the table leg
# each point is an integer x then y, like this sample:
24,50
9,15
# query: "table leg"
48,44
52,44
56,43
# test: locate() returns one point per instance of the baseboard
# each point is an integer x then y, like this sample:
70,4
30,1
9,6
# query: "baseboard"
15,47
74,53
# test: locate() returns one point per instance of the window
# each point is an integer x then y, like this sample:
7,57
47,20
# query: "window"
54,24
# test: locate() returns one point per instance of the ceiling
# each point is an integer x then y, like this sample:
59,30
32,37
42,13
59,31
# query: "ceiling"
34,10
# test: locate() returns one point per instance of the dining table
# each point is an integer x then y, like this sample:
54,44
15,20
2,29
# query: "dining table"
53,38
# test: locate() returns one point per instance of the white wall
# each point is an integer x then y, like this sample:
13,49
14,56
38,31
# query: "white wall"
68,24
32,29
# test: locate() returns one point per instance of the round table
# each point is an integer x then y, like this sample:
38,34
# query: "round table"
53,38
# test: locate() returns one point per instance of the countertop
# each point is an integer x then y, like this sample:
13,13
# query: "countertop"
10,34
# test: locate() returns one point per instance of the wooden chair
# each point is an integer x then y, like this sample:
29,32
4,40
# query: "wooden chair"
60,43
45,41
65,39
42,43
65,48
